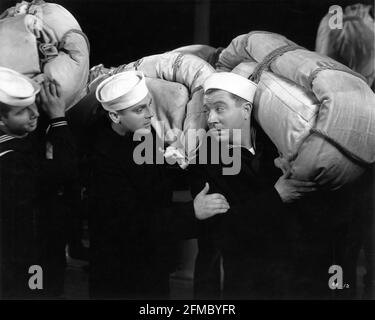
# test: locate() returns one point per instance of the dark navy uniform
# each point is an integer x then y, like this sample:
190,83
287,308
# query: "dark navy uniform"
34,170
276,250
250,237
133,224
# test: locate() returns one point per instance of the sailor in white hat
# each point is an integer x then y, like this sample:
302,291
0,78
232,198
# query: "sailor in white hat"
126,98
18,111
256,194
228,102
34,168
129,212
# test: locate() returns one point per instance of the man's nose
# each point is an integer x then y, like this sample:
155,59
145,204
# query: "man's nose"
149,113
34,112
212,118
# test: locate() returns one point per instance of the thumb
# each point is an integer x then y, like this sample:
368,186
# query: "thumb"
205,189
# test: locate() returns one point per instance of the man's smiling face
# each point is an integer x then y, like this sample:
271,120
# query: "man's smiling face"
224,113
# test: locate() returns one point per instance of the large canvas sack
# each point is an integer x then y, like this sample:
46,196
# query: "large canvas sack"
166,95
175,82
53,42
281,106
346,116
354,43
17,38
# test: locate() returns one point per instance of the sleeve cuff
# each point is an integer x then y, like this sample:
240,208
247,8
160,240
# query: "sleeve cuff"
58,122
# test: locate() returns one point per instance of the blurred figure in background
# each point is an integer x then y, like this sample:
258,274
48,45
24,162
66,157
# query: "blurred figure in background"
354,46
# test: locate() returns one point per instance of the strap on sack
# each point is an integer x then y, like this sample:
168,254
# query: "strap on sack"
122,67
265,64
343,150
334,67
268,59
176,66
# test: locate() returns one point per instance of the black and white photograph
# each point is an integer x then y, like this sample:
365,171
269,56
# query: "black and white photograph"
205,151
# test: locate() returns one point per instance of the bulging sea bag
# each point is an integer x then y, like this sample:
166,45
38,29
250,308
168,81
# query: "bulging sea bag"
330,139
41,40
175,82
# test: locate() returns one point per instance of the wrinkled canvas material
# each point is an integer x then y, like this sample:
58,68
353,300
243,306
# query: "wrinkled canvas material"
175,82
342,139
53,42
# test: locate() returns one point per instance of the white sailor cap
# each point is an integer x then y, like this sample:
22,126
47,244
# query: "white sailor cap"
122,90
233,83
16,89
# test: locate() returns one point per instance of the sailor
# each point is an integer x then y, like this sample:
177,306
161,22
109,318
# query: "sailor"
133,223
250,238
33,167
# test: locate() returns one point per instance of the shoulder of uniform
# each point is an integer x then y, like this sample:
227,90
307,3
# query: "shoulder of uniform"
57,122
6,147
5,137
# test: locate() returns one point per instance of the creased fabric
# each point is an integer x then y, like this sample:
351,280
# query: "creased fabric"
54,43
341,120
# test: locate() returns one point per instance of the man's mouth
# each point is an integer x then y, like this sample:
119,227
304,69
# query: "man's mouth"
216,130
33,123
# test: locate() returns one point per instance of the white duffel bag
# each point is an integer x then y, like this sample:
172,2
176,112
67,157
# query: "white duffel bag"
175,82
330,136
42,40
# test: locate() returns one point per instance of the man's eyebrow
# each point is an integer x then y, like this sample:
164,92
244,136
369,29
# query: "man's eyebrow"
21,110
141,106
219,102
216,102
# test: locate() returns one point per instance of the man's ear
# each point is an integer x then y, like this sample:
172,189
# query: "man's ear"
1,121
247,108
114,117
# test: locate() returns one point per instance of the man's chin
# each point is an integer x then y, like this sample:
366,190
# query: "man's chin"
30,129
145,130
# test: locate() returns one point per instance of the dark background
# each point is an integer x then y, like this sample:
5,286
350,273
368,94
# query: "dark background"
121,31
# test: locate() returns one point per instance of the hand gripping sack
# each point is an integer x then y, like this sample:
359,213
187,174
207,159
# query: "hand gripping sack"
354,44
175,82
53,42
341,142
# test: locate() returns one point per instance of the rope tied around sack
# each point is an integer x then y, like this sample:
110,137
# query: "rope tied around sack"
323,65
48,52
343,150
176,65
125,67
268,59
214,58
333,67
